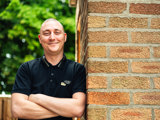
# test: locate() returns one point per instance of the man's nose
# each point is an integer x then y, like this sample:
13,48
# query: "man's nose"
52,36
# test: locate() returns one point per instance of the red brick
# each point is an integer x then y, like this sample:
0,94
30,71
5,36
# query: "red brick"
146,67
117,22
107,67
152,98
96,113
96,21
97,51
111,36
155,23
157,114
96,82
156,52
141,8
106,7
129,52
145,37
131,114
130,82
157,83
104,98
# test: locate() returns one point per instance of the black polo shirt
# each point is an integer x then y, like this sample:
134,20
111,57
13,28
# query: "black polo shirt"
61,80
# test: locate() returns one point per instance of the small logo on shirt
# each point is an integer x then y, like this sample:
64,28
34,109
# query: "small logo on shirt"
66,82
63,84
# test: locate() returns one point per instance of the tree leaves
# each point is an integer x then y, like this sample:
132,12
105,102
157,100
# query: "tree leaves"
20,22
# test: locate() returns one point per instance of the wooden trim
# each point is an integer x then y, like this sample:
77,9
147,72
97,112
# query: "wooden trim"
79,40
72,3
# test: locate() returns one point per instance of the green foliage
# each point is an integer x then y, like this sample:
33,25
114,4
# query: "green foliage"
20,22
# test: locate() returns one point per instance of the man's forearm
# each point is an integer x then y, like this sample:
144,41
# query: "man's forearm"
33,111
23,108
67,107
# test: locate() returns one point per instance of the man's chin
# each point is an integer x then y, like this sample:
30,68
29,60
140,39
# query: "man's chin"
54,51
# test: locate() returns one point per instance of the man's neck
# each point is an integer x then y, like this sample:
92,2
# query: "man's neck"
54,59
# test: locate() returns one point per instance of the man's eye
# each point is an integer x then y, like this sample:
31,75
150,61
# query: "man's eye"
57,32
46,34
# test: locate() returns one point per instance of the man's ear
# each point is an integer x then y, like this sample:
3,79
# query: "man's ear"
65,35
39,37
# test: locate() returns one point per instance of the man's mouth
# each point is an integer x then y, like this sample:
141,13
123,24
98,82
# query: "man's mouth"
52,43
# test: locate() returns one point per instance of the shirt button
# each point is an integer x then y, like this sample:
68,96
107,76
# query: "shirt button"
51,80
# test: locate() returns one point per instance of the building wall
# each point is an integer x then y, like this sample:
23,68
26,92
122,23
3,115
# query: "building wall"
119,43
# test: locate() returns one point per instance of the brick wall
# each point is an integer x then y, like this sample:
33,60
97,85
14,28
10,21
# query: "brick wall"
122,55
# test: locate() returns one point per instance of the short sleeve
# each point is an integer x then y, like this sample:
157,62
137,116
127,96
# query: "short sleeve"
23,80
79,83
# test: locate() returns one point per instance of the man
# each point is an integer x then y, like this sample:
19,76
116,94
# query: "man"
51,87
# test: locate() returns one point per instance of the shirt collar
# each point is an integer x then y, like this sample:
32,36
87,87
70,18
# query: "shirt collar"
59,65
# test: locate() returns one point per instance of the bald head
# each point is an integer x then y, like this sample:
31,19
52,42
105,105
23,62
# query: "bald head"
51,20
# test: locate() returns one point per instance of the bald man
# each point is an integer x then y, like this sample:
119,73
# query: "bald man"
51,87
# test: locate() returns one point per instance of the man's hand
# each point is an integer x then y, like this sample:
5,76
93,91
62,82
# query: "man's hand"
35,97
23,108
67,107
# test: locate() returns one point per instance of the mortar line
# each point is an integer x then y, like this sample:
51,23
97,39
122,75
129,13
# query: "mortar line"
125,44
129,37
124,106
149,22
107,21
124,60
129,66
128,1
153,114
124,15
109,114
106,29
124,90
131,98
151,52
109,84
124,74
152,83
108,51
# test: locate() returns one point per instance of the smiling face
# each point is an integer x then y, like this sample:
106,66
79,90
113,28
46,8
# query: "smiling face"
52,37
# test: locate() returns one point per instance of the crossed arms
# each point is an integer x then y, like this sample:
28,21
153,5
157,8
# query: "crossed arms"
40,106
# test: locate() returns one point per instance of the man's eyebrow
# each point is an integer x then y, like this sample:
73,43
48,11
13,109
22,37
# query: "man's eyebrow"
49,30
57,30
46,30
